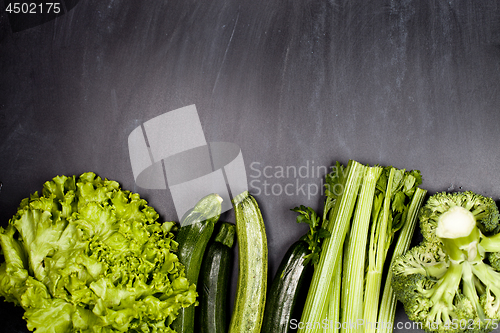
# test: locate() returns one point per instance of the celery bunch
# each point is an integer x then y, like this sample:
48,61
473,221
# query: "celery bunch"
365,209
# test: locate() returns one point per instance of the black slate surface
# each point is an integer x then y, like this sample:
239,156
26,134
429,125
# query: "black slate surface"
414,84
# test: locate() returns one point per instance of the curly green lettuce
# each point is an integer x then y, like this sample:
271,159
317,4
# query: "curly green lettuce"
87,256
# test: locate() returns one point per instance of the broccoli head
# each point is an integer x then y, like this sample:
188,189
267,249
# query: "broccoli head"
450,282
483,208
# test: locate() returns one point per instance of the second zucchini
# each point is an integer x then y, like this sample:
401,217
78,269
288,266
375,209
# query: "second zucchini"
291,281
193,237
214,279
251,287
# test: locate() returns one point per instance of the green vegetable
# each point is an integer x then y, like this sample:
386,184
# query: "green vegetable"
87,256
364,209
395,188
388,302
339,218
193,237
333,311
355,251
207,209
214,278
333,191
314,238
446,283
284,294
315,235
251,288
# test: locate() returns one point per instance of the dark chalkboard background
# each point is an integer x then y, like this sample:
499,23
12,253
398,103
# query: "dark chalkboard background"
414,84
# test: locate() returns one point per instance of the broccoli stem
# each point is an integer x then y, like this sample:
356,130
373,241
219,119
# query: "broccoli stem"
463,248
488,276
469,288
442,294
491,244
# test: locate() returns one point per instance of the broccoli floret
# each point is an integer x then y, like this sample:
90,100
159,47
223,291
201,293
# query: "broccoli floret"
483,208
450,281
494,259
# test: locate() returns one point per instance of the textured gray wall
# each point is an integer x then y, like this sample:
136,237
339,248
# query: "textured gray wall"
414,84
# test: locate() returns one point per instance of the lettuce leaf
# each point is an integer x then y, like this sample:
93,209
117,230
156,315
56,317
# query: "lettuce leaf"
87,256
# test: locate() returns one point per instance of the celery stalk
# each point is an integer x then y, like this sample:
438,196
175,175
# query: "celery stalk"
388,304
334,300
399,188
355,256
317,297
376,258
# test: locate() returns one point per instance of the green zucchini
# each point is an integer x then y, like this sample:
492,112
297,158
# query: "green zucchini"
285,293
207,208
213,281
251,287
193,236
